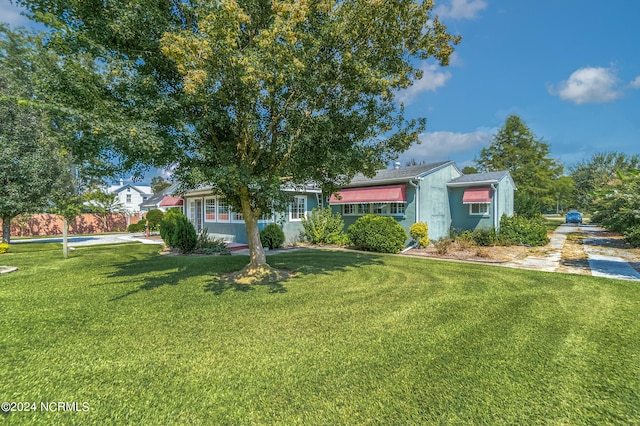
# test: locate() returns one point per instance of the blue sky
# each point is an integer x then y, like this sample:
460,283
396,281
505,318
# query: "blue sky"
568,68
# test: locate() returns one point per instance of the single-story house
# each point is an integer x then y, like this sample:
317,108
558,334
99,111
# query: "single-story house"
213,213
437,194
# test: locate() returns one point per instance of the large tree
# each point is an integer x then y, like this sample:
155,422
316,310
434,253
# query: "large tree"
600,172
517,149
30,162
250,95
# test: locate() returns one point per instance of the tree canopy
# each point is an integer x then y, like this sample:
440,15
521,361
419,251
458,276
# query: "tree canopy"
246,95
30,161
515,148
600,172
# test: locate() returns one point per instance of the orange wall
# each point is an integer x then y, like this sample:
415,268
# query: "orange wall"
49,224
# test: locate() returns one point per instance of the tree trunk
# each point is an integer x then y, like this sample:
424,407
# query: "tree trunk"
65,239
6,229
257,258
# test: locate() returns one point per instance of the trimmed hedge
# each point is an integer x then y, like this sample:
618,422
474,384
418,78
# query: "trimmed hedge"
272,236
523,230
168,226
382,234
632,236
154,217
184,236
4,247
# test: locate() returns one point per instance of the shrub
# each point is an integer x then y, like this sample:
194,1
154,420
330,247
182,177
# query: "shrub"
168,226
137,227
485,237
377,233
465,239
419,231
442,246
523,230
208,245
4,247
322,226
184,236
154,217
632,236
272,236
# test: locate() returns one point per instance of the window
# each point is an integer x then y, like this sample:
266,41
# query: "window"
396,208
128,198
298,207
237,217
223,210
380,209
349,209
362,208
210,210
479,209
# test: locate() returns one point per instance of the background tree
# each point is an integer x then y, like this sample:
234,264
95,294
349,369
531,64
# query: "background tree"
600,172
469,170
158,184
250,95
66,200
516,149
104,205
30,161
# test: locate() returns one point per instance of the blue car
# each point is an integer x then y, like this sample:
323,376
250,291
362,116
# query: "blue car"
574,216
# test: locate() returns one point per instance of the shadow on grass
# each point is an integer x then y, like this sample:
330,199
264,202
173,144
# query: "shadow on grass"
159,270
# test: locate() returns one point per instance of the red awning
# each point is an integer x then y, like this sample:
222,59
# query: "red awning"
372,194
476,195
171,202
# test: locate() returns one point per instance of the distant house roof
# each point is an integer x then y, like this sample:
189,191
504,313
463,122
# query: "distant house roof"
154,200
146,190
479,179
402,174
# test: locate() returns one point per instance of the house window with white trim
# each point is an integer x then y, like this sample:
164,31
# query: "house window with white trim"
479,209
128,198
298,207
223,210
349,209
396,208
380,209
210,210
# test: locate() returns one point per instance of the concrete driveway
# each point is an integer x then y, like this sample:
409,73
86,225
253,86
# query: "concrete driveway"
605,257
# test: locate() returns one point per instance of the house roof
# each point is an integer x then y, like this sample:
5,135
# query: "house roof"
146,190
154,200
209,189
478,179
403,174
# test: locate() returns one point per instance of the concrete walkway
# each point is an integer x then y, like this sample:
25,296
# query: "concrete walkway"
603,261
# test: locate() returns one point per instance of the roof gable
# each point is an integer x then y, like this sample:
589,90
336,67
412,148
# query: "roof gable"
403,174
481,179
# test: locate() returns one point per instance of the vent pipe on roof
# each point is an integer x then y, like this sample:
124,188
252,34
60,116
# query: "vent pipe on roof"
396,165
121,182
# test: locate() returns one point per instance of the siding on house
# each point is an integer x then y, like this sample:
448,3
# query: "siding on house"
231,228
435,208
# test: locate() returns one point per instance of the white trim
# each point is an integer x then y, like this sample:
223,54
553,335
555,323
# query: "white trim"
296,198
371,209
483,214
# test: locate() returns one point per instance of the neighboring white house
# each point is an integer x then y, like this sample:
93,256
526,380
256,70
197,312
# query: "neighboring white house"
131,196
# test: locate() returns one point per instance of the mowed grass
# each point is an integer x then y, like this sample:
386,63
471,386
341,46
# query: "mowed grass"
355,339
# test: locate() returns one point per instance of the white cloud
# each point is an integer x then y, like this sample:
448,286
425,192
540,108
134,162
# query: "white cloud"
432,79
461,9
636,83
11,15
438,146
589,85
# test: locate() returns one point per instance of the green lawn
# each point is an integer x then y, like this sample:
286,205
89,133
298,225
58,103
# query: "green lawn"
354,339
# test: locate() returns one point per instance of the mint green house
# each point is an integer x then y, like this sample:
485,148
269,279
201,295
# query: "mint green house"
437,194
